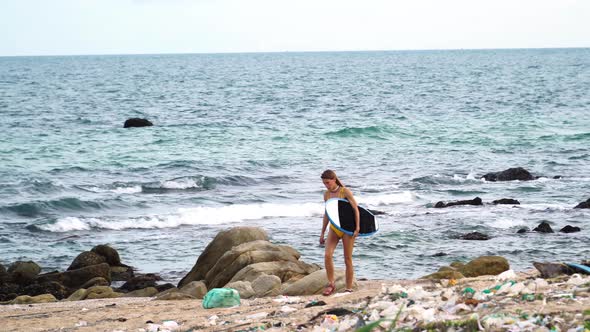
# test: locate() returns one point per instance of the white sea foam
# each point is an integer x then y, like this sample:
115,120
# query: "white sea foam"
180,184
506,223
67,224
202,215
403,197
116,190
127,190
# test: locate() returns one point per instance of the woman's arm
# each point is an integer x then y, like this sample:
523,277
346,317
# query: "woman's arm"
355,208
324,224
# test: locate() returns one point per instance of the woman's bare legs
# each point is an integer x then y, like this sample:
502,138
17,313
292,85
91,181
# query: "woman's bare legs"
331,244
348,243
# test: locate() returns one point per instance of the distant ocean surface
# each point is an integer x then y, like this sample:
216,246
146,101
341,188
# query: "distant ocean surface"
241,139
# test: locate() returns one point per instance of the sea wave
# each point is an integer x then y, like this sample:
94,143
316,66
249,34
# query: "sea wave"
202,215
34,209
388,199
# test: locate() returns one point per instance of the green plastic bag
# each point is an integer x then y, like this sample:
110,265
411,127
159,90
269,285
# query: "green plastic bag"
221,298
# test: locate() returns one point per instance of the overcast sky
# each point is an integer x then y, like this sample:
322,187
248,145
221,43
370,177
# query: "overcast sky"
63,27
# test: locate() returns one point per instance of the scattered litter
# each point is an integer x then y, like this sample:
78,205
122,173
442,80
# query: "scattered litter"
81,323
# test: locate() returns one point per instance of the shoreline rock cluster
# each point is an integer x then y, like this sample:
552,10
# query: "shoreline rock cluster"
241,258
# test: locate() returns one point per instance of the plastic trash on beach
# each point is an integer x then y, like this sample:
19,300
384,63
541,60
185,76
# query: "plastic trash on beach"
170,325
221,298
287,299
506,275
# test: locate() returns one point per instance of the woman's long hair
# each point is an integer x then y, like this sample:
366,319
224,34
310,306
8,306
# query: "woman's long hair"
331,175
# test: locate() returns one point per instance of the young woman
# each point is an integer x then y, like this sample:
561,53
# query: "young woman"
337,190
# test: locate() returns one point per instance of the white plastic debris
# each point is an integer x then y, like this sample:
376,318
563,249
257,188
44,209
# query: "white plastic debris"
576,280
258,315
153,327
286,309
170,325
287,299
506,275
81,323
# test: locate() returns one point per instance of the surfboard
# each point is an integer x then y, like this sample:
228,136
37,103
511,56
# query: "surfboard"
581,267
341,216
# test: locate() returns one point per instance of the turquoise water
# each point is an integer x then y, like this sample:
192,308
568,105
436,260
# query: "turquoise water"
241,139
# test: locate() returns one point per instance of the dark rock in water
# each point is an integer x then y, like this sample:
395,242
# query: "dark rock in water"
78,277
440,254
557,177
223,242
475,201
506,201
511,174
51,287
164,287
570,229
583,205
376,212
140,282
474,236
23,273
86,258
552,270
111,255
523,230
137,122
543,228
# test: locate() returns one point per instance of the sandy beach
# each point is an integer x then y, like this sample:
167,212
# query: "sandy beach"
563,303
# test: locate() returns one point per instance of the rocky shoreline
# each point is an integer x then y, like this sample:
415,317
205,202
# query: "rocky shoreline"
278,291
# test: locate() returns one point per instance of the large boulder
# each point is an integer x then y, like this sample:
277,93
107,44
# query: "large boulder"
110,255
50,287
137,122
511,174
285,270
196,289
223,242
315,283
102,292
146,292
140,282
444,274
485,265
26,299
583,205
77,278
267,285
245,254
244,288
23,273
552,270
475,201
86,258
3,274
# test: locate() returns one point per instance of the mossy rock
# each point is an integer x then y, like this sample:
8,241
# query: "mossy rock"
485,265
457,264
444,275
446,268
78,295
26,299
146,292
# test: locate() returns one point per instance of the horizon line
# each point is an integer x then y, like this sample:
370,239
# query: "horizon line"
282,52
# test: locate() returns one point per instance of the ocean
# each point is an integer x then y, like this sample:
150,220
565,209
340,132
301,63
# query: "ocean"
241,139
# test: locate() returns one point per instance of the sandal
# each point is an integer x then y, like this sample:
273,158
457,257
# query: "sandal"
348,290
329,290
